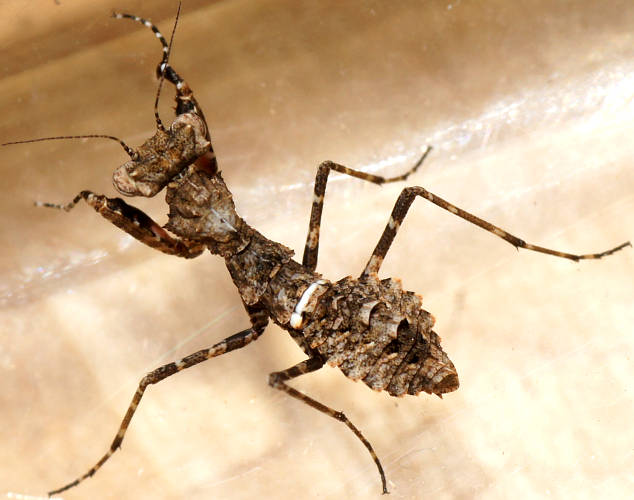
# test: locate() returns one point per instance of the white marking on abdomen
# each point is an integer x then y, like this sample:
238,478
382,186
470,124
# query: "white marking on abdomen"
296,317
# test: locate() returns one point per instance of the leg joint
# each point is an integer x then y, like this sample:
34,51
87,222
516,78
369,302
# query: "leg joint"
276,380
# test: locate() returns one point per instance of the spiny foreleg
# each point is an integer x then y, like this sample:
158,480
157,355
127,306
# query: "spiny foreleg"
135,222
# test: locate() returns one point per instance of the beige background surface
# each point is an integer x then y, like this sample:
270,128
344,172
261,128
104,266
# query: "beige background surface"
529,107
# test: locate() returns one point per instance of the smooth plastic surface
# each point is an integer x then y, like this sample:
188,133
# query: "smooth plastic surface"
529,106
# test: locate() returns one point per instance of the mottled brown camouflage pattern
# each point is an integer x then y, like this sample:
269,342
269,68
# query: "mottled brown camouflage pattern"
371,329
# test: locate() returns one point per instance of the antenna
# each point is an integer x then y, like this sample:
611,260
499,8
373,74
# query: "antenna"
164,65
131,152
